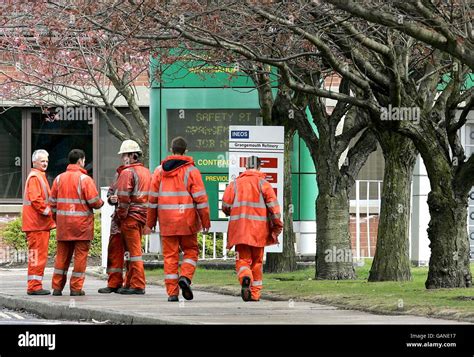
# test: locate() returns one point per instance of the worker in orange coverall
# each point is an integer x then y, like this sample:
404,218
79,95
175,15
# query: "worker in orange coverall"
37,221
133,185
178,201
116,262
254,222
73,197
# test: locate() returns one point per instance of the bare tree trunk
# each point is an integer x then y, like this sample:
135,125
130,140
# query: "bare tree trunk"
449,261
285,261
391,260
447,231
333,241
146,152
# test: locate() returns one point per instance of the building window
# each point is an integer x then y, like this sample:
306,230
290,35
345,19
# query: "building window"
10,154
58,137
370,173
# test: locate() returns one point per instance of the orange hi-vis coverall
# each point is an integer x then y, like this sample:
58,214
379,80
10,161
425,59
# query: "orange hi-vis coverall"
132,190
178,201
116,263
254,222
37,221
73,198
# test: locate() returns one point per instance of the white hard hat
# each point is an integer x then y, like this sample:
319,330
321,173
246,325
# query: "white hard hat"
129,146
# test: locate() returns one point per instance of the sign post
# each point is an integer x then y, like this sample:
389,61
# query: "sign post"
266,142
105,212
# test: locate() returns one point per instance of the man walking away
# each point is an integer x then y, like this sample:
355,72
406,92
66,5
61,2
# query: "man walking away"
73,198
255,222
178,201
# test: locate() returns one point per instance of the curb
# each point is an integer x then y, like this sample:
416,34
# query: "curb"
52,311
153,264
216,265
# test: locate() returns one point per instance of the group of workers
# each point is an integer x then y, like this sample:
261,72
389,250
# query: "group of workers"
174,197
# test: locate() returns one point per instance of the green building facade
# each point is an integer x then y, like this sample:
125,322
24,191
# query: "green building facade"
199,103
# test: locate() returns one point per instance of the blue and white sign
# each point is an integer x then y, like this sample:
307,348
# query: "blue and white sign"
267,143
239,134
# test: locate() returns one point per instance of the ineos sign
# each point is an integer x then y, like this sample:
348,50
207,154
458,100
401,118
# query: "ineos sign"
239,134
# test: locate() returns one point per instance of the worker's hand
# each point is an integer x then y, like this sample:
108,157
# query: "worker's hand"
205,230
146,230
113,199
275,238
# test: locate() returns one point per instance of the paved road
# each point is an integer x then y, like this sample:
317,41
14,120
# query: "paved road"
11,317
206,308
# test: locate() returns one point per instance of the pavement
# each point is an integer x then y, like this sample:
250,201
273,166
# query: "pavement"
153,307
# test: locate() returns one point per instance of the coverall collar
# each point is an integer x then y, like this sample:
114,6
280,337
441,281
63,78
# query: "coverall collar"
180,157
120,168
38,170
174,162
123,167
252,172
76,167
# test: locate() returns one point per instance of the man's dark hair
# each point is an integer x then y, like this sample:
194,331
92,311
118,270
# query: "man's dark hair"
253,162
179,145
75,155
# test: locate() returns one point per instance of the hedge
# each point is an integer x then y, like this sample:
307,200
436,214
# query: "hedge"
16,239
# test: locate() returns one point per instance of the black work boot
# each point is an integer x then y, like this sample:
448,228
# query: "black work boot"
131,291
77,293
38,292
173,298
57,292
185,285
107,290
245,293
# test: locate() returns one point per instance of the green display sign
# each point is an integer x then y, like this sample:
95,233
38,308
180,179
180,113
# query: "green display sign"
215,186
207,130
